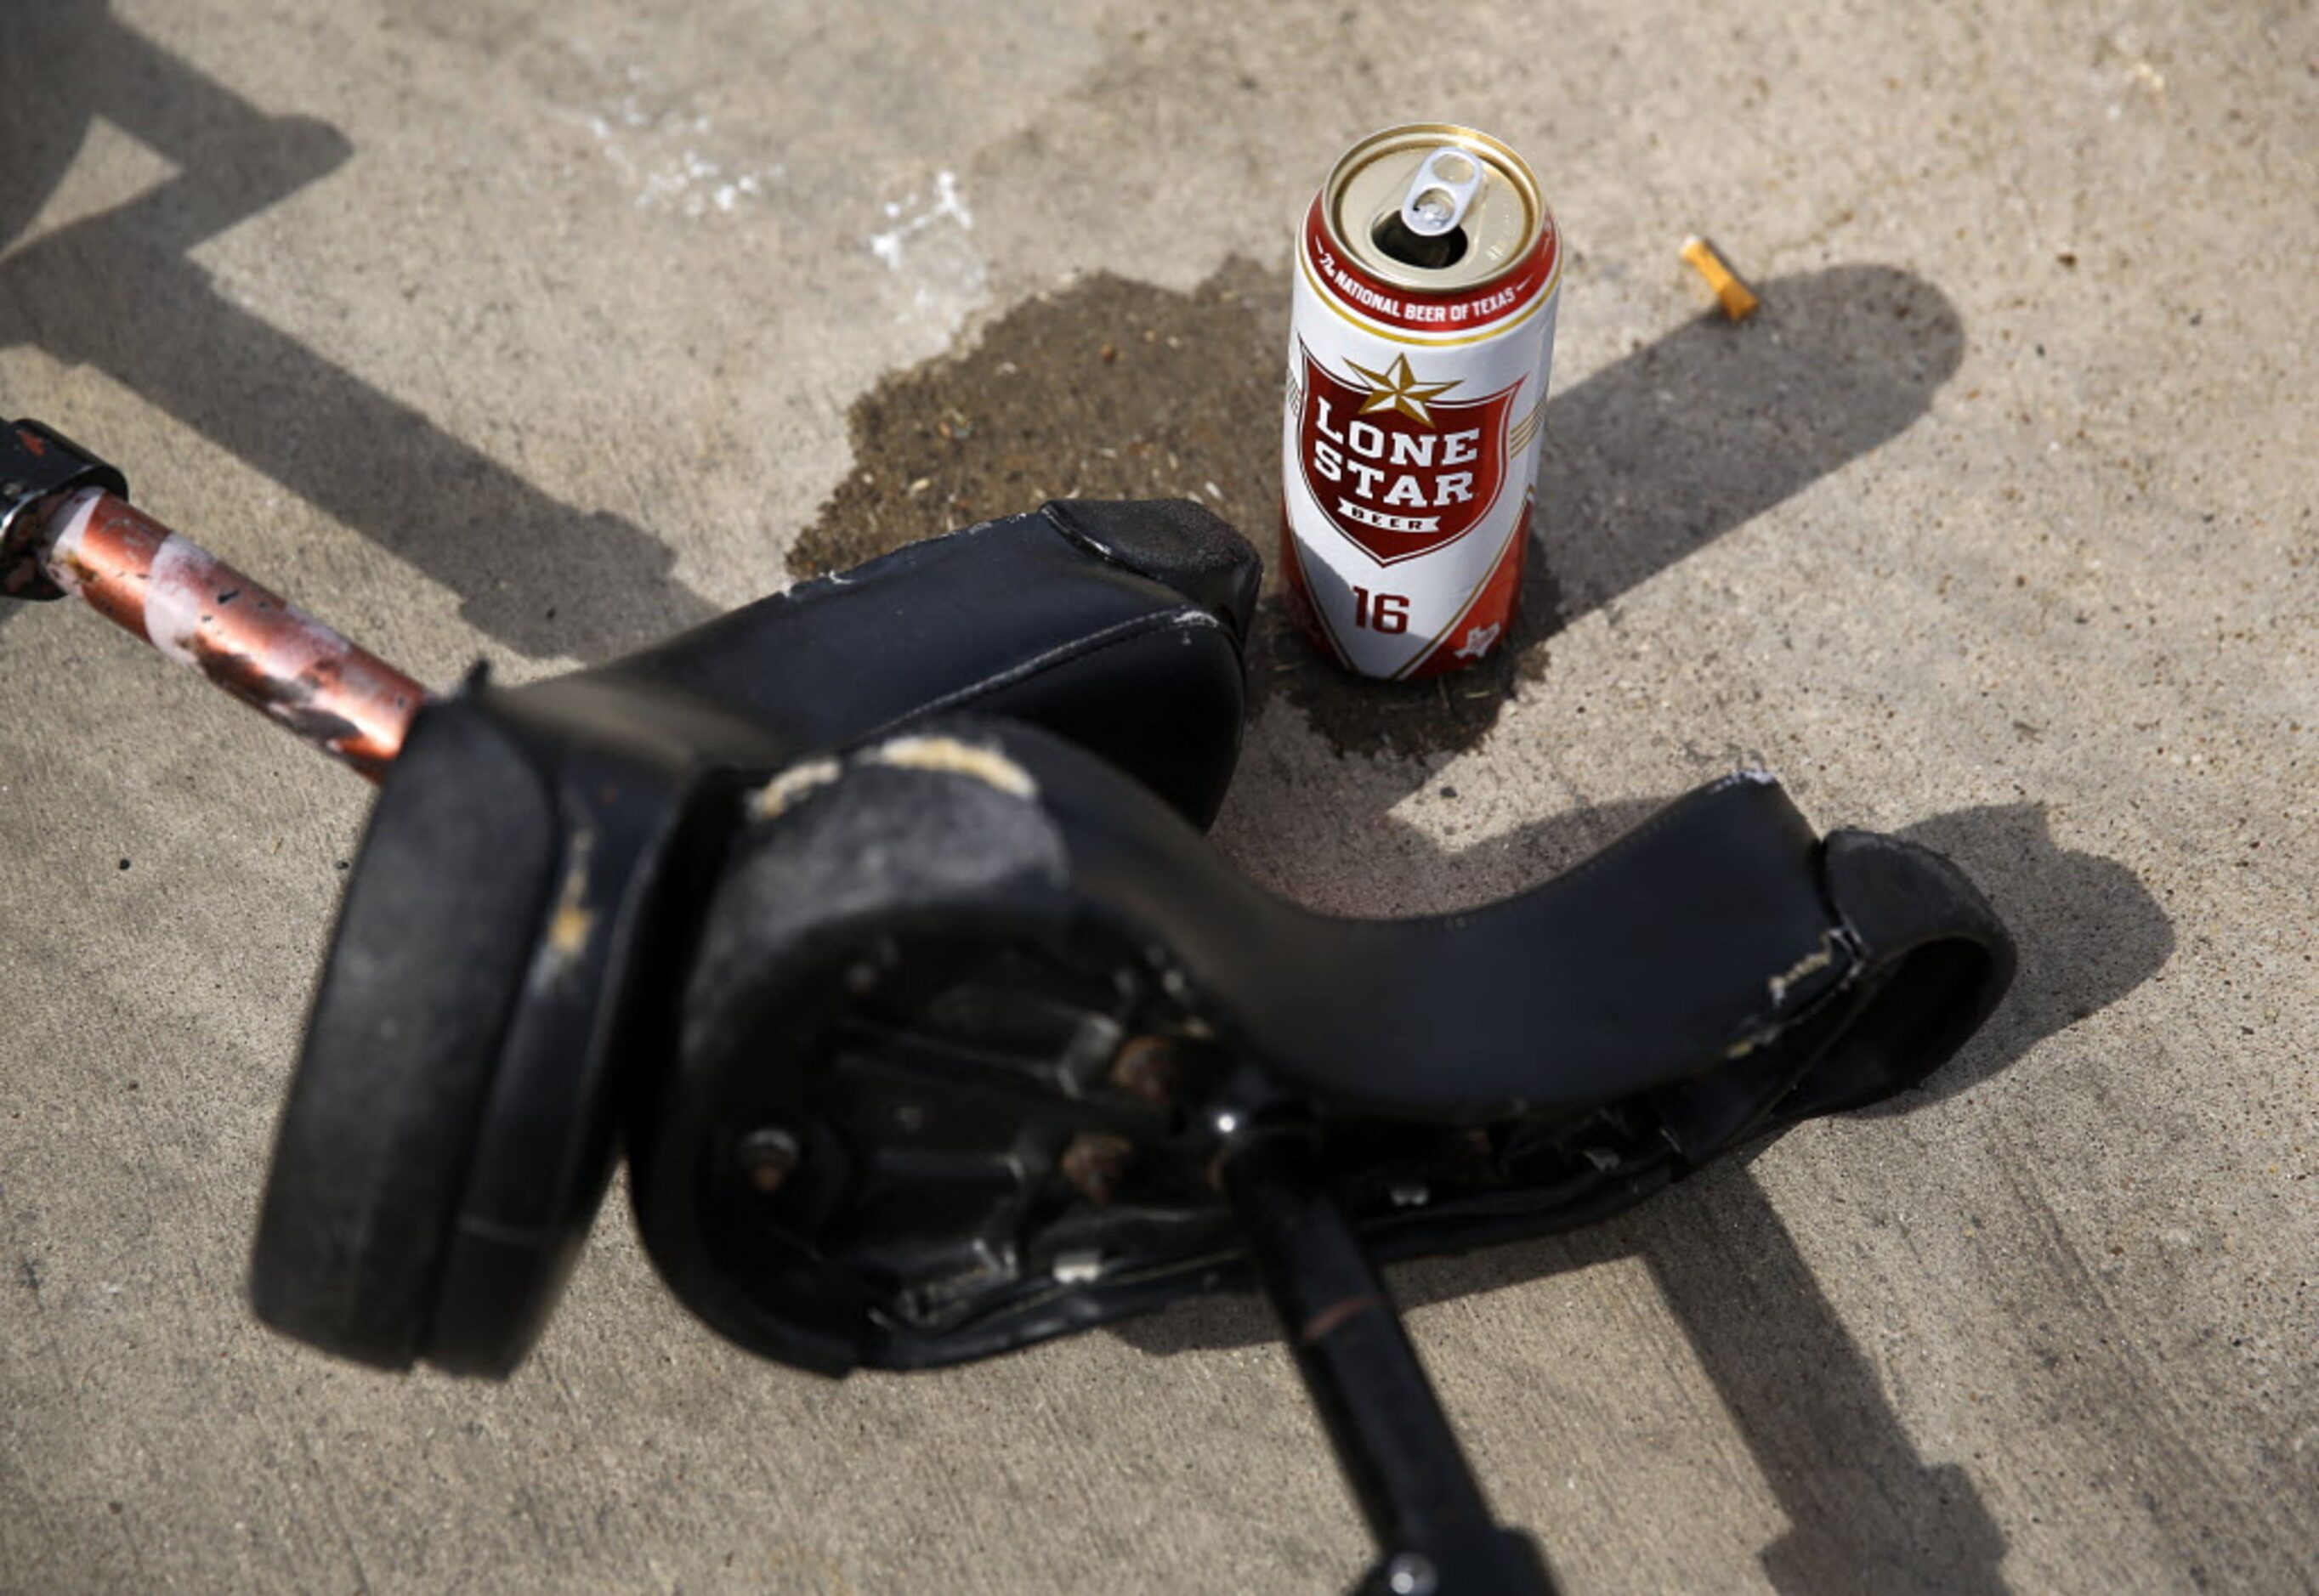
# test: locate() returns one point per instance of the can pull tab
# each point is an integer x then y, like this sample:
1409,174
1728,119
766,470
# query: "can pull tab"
1441,192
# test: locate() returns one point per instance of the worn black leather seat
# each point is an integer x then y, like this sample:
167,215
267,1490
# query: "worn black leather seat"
1719,972
510,938
1719,933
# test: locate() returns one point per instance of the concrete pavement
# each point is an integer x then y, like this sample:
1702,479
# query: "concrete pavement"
532,331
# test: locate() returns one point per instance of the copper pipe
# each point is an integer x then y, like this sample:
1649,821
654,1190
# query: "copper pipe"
246,638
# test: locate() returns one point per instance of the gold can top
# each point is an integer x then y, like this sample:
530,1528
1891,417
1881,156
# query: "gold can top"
1434,207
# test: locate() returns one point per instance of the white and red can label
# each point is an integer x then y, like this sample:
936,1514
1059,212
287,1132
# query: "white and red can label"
1409,454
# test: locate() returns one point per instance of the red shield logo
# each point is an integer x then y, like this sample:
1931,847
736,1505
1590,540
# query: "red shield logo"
1396,463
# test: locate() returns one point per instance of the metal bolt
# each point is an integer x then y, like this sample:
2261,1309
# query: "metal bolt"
1146,1068
1409,1574
1094,1163
1080,1267
767,1156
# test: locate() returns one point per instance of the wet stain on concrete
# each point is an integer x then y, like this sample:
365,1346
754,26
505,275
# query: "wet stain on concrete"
1107,388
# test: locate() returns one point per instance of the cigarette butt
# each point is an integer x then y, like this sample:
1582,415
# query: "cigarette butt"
1739,301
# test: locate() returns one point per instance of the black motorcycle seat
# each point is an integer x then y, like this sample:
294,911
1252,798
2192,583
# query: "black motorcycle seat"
532,864
1712,943
1117,624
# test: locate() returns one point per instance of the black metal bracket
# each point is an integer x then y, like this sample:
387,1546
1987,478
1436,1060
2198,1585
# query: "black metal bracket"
1434,1532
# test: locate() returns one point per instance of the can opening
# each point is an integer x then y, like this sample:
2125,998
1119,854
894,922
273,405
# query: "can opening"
1394,237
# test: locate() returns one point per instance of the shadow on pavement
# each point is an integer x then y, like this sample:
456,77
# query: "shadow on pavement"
1653,457
2089,931
1864,1510
119,291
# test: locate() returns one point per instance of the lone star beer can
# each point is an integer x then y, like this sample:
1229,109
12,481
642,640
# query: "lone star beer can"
1421,332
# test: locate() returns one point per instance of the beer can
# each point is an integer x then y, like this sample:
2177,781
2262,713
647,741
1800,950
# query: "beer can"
1421,333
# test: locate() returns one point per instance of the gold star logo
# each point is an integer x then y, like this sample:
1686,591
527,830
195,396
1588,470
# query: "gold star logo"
1396,388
